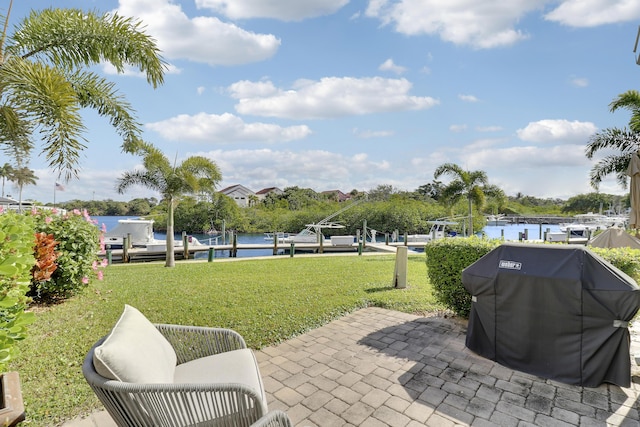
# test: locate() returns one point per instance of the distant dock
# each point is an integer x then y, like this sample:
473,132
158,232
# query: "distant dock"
210,252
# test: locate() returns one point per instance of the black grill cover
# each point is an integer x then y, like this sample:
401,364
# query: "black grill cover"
556,311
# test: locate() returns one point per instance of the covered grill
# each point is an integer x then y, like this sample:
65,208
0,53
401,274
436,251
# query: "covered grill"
556,311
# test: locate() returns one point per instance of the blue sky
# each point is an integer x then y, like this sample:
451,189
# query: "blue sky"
351,94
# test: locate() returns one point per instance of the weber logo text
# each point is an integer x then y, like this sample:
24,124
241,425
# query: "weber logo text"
510,265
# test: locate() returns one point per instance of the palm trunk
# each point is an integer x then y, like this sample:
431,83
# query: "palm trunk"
470,218
170,258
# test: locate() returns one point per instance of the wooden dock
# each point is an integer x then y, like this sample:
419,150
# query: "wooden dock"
209,252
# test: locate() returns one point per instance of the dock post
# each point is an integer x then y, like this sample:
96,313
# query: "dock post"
275,243
406,239
358,236
109,255
129,242
502,234
386,239
400,272
359,248
210,257
234,251
293,249
540,232
321,238
185,245
125,249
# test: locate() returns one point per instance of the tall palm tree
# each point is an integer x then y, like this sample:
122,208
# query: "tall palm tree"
6,172
194,175
472,185
23,176
624,142
45,81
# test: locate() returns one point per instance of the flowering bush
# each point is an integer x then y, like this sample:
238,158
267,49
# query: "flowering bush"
16,262
78,242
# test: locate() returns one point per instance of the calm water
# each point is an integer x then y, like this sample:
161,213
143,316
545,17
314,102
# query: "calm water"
509,232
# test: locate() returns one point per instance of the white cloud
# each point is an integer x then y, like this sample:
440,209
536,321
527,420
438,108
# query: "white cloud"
458,128
225,128
466,22
285,10
182,37
468,98
580,81
317,169
591,13
528,157
557,131
200,90
328,97
389,65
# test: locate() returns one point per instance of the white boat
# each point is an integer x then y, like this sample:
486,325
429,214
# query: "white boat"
593,222
497,220
313,232
140,231
438,231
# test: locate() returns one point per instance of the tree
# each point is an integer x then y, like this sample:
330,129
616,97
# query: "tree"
45,81
625,142
195,174
6,172
21,177
472,185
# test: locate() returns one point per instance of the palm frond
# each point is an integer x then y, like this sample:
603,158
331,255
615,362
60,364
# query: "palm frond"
75,38
99,94
623,140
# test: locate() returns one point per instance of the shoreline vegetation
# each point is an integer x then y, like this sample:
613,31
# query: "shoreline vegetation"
267,300
386,210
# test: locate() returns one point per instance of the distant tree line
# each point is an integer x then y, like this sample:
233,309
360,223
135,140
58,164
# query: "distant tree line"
386,209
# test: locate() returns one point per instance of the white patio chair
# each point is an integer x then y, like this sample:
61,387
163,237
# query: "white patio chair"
174,376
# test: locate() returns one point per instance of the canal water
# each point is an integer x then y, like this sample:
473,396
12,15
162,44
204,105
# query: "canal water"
509,232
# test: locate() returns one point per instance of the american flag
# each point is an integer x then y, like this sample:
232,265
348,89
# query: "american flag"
59,186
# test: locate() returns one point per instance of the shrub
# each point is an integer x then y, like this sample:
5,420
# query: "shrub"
446,258
16,262
78,242
625,259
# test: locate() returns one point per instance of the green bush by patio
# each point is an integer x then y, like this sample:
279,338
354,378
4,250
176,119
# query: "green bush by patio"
266,301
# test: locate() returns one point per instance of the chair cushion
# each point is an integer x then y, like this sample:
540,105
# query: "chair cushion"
232,367
135,351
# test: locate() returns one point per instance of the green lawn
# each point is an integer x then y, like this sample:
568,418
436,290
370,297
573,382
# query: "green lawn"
266,300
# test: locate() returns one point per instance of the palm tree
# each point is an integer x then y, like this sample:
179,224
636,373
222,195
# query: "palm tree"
6,172
195,174
23,176
625,142
472,185
45,81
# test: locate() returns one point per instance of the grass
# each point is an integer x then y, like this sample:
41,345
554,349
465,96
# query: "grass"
266,301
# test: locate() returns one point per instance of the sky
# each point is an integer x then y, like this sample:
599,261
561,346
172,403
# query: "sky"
353,94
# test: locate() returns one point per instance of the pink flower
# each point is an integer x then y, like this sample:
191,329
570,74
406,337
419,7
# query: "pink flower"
94,265
48,219
54,211
76,211
103,228
100,275
85,280
1,209
34,211
105,262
